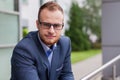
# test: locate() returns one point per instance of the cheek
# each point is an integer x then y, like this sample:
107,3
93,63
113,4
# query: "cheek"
42,32
58,33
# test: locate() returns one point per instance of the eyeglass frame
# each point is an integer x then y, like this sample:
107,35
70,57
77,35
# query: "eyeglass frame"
48,25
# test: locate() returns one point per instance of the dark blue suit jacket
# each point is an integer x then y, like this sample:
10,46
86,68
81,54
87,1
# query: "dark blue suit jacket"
29,61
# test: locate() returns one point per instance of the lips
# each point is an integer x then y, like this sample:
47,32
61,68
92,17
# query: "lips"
50,37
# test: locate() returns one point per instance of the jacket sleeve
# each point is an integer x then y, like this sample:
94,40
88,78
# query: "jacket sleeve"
67,70
22,65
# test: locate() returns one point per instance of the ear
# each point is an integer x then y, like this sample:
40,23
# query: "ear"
37,24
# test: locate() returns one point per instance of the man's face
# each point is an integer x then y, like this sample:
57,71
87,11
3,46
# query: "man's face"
52,34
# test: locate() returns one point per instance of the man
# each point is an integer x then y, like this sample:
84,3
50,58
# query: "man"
44,54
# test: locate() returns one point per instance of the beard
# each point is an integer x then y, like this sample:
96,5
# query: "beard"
50,41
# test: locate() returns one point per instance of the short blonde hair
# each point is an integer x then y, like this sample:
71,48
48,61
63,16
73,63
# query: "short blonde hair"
51,6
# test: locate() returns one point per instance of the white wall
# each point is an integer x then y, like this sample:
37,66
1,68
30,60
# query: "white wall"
29,11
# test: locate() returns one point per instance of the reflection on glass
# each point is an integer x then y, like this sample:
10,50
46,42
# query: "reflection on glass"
7,5
5,57
8,29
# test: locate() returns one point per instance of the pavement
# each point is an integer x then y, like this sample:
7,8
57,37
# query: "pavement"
83,68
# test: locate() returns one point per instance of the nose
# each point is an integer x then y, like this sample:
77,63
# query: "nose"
51,29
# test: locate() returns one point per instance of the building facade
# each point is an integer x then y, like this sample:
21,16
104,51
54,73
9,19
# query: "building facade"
110,37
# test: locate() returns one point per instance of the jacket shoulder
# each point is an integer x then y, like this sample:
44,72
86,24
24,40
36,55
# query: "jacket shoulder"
65,42
28,39
64,39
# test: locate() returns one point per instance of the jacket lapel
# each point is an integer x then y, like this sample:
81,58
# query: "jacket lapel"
42,55
54,63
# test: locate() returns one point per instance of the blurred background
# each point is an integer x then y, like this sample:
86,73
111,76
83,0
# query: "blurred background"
82,25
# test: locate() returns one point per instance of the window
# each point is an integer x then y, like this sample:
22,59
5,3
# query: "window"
8,29
25,2
9,5
9,34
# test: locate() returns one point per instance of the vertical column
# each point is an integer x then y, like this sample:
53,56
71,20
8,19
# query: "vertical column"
110,35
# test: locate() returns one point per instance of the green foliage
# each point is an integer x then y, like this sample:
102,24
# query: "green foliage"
92,18
25,31
78,37
96,45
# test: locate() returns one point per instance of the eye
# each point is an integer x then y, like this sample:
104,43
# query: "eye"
56,25
47,24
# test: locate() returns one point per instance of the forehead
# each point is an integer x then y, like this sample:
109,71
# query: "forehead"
54,15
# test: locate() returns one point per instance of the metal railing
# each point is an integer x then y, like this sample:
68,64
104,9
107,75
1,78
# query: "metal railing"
111,62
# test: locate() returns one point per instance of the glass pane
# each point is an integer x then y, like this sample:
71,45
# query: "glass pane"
25,2
8,29
5,67
7,5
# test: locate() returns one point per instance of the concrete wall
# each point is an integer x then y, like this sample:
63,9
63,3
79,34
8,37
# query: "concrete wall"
110,34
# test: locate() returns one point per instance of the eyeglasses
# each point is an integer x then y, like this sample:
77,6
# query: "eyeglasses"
47,25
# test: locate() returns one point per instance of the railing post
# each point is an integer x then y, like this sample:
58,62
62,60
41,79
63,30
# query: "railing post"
114,71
